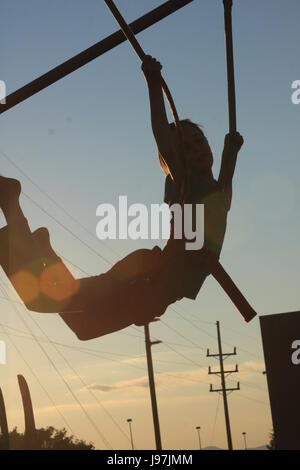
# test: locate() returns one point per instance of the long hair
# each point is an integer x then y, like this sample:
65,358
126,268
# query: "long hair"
183,123
188,123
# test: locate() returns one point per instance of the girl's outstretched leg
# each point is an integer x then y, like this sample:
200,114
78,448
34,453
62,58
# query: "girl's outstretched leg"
91,307
113,301
57,285
35,271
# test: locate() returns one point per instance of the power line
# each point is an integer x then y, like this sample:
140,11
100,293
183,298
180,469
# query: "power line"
21,354
167,344
108,262
242,395
47,195
212,438
183,355
96,353
91,392
67,229
209,334
4,328
11,161
164,373
76,348
193,316
94,425
191,323
180,334
60,223
187,379
239,332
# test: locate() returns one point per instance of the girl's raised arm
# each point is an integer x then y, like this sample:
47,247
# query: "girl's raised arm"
164,137
232,145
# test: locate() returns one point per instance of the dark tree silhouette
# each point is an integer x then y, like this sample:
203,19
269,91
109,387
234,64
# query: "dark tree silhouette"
48,439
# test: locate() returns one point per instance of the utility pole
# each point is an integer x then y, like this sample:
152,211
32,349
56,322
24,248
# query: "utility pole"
150,343
223,374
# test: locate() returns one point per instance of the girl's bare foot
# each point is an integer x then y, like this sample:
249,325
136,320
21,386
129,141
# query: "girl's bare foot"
10,190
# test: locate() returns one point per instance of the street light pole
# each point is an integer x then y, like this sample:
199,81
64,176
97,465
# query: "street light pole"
199,437
244,435
149,344
129,421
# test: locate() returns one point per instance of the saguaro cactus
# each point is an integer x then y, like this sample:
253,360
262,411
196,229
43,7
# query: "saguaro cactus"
3,424
30,430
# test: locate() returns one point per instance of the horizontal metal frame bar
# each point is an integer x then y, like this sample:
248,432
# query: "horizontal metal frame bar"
86,56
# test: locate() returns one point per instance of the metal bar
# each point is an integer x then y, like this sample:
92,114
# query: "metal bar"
127,31
86,56
211,263
140,52
233,292
230,65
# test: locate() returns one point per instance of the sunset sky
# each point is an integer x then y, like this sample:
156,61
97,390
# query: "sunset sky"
87,140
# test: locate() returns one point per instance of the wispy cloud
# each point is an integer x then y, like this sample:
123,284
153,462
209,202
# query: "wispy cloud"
64,408
164,379
176,379
140,383
135,360
253,366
